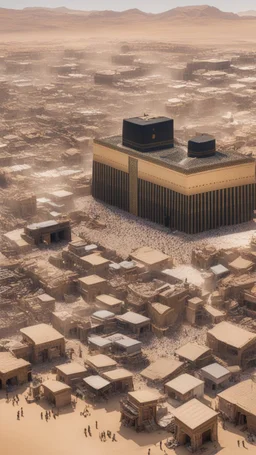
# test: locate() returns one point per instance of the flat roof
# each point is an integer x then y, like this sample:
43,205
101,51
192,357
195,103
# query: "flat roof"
55,386
99,341
161,369
9,363
100,361
133,318
94,259
96,382
92,279
183,272
117,375
127,342
43,224
144,396
241,264
219,269
232,335
242,394
184,383
71,368
194,414
192,351
103,314
176,158
147,120
108,300
216,370
45,298
148,255
41,333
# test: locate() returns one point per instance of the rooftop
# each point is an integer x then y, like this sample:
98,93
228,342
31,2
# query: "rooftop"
243,395
127,342
184,383
185,272
96,382
45,298
9,363
92,279
42,225
161,369
144,396
148,255
133,318
215,370
232,335
176,158
99,341
147,120
192,351
71,368
55,386
103,314
100,361
94,259
219,269
108,299
194,414
41,333
241,264
117,375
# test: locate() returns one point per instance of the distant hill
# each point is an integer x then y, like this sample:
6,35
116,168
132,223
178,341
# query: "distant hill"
65,19
251,13
202,11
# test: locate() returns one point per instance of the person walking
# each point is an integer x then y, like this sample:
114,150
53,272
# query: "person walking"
21,412
238,443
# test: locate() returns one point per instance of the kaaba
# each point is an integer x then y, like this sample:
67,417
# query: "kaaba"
201,146
147,134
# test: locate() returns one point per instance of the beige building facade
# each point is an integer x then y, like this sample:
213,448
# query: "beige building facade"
170,188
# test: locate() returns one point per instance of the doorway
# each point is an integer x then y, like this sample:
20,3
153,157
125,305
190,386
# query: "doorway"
43,355
206,436
12,381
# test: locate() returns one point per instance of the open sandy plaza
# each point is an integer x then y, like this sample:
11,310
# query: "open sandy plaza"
65,434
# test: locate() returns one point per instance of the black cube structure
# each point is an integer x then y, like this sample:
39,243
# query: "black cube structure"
190,189
147,134
201,146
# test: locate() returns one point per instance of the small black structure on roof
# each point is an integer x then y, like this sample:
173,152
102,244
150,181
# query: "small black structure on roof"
201,146
147,134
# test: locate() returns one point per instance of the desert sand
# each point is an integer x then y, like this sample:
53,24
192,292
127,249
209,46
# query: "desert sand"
65,435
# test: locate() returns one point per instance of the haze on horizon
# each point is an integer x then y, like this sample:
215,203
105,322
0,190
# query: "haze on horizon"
120,5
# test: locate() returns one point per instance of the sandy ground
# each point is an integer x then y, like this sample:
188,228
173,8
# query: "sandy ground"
124,233
65,435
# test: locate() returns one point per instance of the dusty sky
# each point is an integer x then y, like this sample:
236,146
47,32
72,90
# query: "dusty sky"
145,5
